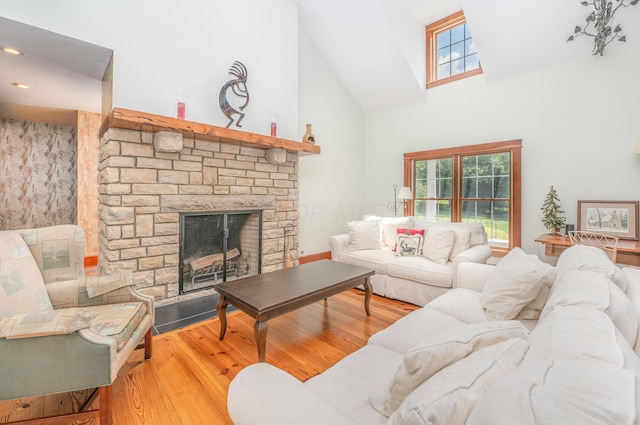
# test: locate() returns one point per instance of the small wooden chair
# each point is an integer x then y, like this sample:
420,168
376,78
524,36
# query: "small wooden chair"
609,244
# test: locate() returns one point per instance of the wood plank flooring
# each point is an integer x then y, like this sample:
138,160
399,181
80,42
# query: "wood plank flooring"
186,381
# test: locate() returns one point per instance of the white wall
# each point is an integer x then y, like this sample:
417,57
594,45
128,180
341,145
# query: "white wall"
577,121
330,183
162,47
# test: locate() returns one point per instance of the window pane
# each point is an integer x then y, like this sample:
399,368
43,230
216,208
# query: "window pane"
444,186
493,215
444,55
501,187
444,38
433,210
444,71
485,165
457,66
457,33
502,164
469,47
457,50
469,187
445,169
467,33
472,62
469,168
485,187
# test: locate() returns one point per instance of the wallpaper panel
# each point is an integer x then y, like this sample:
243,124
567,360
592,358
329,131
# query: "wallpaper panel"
38,174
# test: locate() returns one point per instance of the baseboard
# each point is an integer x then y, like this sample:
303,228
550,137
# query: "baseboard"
315,257
91,261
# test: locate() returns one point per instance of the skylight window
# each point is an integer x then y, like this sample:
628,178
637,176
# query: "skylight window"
451,52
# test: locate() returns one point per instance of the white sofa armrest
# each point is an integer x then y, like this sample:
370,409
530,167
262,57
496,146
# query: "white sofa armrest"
475,254
262,394
473,275
339,244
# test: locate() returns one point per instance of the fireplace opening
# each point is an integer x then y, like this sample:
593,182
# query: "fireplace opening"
219,247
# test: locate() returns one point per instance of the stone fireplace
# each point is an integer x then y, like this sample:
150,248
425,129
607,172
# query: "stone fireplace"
153,170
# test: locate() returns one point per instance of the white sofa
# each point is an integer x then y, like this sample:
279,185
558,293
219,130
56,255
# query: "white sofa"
418,278
578,365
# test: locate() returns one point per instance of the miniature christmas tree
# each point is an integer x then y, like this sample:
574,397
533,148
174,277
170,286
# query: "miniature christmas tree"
552,216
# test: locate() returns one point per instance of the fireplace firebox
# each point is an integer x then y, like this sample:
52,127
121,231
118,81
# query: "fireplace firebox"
218,247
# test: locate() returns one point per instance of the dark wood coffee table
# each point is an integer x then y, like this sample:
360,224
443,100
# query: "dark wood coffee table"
270,295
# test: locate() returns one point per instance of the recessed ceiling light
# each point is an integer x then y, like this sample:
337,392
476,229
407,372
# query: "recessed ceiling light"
22,85
11,51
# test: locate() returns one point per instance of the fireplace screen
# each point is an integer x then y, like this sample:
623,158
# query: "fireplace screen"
218,247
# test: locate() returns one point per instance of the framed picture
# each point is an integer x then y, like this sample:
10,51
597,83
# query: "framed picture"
613,218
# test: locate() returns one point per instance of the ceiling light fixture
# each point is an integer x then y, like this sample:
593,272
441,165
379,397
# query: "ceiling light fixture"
22,85
11,51
601,20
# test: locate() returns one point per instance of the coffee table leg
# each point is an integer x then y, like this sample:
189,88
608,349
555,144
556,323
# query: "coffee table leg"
367,295
222,314
260,329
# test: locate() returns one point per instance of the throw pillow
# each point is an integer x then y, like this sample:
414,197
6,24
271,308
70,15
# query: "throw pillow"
462,242
437,352
22,288
438,244
450,395
532,310
410,241
389,226
514,283
364,235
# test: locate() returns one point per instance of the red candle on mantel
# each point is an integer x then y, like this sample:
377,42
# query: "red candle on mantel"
181,110
274,129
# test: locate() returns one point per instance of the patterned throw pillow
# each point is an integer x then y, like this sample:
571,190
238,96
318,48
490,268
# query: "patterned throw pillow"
409,242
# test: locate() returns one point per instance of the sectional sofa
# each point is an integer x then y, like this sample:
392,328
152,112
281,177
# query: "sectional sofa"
518,343
412,275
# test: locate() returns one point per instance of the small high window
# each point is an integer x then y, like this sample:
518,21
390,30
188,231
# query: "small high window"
451,53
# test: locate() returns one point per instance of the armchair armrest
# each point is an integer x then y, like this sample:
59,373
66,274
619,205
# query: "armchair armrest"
265,395
473,275
339,244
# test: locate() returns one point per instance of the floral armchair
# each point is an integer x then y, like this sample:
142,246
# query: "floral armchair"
60,330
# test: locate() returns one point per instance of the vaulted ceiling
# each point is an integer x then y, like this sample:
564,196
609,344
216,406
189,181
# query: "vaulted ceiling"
376,47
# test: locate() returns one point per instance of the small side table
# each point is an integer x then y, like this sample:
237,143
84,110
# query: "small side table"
628,251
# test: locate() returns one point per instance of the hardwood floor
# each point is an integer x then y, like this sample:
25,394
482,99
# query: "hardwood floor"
186,381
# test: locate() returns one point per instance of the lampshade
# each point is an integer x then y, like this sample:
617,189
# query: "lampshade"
637,147
405,193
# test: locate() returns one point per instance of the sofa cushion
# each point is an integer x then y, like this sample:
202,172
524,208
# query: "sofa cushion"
411,329
21,283
461,303
364,235
450,395
375,259
43,323
584,257
348,383
117,320
478,234
576,371
438,351
438,243
514,283
594,290
422,270
633,293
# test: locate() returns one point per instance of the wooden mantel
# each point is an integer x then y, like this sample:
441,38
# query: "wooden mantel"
141,121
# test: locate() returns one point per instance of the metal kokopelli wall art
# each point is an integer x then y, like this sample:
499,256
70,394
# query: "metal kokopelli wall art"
233,102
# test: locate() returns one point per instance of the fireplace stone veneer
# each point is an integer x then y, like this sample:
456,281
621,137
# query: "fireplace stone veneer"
145,186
